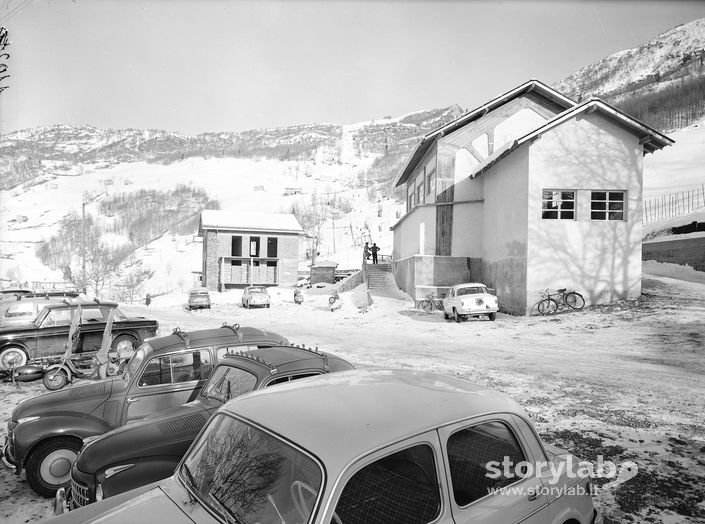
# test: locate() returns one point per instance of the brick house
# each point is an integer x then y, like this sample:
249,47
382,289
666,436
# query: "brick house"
241,249
529,191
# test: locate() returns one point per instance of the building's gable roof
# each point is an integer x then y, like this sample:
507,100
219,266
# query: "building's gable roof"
250,221
431,138
651,139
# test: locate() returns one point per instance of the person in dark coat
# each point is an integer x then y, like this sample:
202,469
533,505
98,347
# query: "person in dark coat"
374,249
366,251
147,300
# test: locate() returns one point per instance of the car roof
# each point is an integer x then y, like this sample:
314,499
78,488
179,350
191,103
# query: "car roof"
469,284
284,359
221,336
84,303
199,290
376,406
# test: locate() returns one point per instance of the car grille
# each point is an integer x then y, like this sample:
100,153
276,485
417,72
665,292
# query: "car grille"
79,495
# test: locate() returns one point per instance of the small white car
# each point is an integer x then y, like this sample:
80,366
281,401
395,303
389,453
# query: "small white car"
255,296
470,300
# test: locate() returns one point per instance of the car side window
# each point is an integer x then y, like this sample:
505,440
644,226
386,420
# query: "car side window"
58,317
91,315
22,309
469,452
181,367
289,378
401,488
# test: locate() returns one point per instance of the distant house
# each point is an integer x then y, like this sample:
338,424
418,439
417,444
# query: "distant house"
249,248
527,192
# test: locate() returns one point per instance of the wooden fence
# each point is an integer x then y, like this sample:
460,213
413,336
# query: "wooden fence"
673,204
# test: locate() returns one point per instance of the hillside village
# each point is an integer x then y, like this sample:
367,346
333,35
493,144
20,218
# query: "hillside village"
65,187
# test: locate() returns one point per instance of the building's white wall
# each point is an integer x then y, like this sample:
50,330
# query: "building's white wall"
467,230
407,233
601,260
504,230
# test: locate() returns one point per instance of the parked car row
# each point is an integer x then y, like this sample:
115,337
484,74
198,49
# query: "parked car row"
193,431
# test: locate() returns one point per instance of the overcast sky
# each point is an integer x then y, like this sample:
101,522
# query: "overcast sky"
193,66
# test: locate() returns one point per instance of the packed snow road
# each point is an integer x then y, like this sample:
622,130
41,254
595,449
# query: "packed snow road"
625,381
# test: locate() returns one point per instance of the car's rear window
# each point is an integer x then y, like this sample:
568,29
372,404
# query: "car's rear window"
471,290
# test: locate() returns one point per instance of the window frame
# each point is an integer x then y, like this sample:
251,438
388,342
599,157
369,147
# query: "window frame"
559,210
447,431
607,200
171,368
429,439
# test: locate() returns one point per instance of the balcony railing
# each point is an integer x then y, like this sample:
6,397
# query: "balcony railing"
248,270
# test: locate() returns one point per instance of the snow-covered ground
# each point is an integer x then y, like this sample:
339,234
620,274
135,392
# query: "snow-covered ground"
609,380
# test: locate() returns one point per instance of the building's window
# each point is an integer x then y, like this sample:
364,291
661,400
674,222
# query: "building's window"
236,246
272,245
607,205
410,197
431,184
557,204
254,246
419,190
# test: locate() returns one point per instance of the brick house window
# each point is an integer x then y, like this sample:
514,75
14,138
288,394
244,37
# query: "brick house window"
419,190
410,197
236,246
558,204
607,205
272,245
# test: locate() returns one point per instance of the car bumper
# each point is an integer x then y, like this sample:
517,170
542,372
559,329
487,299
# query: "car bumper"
7,461
477,310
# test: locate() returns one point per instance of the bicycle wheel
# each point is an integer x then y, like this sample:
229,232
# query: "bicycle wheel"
427,306
575,300
547,306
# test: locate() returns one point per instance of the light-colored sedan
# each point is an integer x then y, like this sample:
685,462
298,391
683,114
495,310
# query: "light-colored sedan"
255,296
360,447
470,300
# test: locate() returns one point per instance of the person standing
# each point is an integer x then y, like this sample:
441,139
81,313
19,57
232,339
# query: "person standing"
147,300
374,249
366,251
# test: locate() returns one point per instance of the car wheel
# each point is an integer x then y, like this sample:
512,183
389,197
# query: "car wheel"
54,379
247,304
12,357
445,315
456,315
124,344
49,465
492,316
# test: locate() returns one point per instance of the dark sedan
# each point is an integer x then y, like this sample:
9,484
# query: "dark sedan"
46,336
149,450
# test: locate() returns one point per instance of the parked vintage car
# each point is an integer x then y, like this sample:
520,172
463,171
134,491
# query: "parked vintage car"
25,308
46,336
199,298
364,446
13,293
45,432
255,296
470,300
143,452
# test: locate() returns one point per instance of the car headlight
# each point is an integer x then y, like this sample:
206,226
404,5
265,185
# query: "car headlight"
99,492
23,420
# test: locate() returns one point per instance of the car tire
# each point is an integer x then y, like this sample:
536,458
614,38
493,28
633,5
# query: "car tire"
247,304
445,315
54,379
456,315
124,343
492,316
49,465
12,357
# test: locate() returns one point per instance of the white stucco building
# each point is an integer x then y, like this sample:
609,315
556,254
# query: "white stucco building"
527,192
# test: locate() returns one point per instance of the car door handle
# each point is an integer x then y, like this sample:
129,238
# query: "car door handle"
534,495
133,399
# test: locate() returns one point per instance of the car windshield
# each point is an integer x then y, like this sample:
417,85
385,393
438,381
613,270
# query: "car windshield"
228,382
201,292
248,475
475,290
134,364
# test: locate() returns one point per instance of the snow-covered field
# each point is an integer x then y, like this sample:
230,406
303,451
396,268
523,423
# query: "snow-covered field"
626,381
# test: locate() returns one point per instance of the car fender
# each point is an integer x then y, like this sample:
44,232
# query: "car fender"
145,471
29,434
13,341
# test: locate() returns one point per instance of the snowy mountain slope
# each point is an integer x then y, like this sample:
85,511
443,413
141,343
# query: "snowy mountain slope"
677,53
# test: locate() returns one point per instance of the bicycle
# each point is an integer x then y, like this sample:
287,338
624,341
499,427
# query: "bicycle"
431,303
549,305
